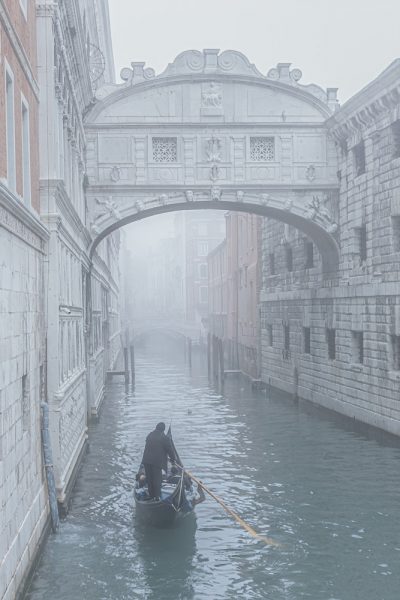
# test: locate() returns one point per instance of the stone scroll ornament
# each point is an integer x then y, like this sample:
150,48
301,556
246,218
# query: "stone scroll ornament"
317,211
109,208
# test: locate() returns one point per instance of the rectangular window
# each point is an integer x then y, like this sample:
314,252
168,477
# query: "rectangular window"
203,271
270,334
26,157
359,158
203,290
10,130
165,149
307,340
272,263
361,233
262,149
396,233
396,138
309,252
289,258
202,248
395,339
286,336
357,346
331,341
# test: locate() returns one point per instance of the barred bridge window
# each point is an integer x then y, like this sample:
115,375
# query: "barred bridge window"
165,149
262,149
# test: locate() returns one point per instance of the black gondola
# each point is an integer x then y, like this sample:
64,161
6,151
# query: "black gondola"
178,497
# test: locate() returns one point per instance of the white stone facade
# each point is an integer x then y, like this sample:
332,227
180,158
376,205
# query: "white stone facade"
23,497
342,332
76,365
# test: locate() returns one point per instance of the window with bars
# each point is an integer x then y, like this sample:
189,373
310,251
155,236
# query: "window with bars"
358,346
359,158
395,339
396,233
361,233
331,341
262,149
165,149
307,340
272,263
289,258
270,334
309,252
396,138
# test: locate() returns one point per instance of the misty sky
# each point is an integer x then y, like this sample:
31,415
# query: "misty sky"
341,43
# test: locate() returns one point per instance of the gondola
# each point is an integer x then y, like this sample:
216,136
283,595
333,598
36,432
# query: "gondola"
178,497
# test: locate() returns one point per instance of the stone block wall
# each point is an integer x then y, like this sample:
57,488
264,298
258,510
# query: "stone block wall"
336,340
23,498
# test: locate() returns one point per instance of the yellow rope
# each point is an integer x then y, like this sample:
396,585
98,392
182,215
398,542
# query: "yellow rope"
246,526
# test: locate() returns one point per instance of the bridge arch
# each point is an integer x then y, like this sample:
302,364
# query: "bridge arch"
211,131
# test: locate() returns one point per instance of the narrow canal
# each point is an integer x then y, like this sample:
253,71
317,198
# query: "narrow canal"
328,493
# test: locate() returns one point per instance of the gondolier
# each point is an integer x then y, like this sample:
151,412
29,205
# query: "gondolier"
155,458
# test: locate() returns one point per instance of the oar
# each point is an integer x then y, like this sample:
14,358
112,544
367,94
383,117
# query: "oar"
246,526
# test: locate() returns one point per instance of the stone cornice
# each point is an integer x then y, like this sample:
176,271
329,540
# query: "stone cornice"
380,97
56,188
19,50
182,126
20,220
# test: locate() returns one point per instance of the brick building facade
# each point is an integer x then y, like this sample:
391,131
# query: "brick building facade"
234,269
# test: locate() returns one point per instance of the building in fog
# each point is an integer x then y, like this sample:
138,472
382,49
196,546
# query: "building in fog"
53,55
335,340
198,233
234,269
23,244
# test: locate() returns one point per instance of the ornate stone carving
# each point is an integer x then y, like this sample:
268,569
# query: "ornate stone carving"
213,149
265,199
115,174
211,96
316,210
240,196
215,193
311,173
288,205
214,173
163,199
189,196
109,208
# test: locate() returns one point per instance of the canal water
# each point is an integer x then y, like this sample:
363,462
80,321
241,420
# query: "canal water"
327,492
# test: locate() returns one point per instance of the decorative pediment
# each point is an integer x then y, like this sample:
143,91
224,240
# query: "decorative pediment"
211,62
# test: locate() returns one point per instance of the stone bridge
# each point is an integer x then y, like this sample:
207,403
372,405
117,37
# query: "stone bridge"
212,131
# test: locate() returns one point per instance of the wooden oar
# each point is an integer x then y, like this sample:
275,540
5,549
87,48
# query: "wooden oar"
246,526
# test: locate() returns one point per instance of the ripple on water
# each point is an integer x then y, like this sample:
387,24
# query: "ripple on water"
326,494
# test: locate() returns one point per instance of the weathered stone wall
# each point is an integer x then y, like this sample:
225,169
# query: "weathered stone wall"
361,302
23,502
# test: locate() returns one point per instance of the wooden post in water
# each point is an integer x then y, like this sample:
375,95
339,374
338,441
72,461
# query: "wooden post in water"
132,353
221,363
209,355
189,344
126,364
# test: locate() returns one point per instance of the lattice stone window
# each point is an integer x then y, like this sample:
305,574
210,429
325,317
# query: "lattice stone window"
262,149
165,149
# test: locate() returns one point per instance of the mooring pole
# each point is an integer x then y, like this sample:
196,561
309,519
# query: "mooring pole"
189,344
126,364
132,353
209,355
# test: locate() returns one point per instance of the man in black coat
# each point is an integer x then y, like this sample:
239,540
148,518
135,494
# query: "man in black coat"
155,458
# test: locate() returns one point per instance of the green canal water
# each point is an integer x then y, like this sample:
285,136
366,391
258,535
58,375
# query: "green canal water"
328,492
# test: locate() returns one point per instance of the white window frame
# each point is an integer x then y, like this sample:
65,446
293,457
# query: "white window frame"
24,8
205,246
201,290
26,151
10,135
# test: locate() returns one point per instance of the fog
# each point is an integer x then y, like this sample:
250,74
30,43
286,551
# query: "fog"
342,44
